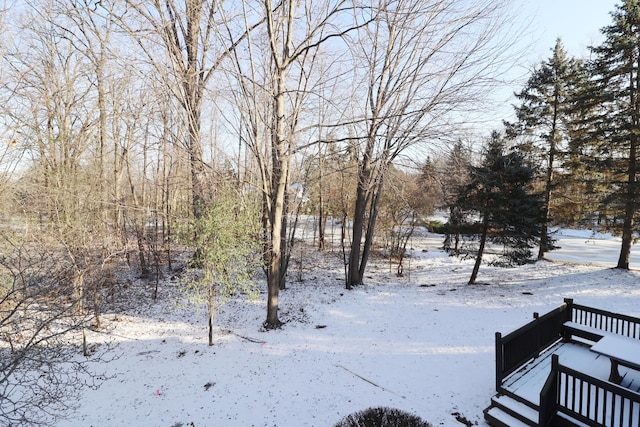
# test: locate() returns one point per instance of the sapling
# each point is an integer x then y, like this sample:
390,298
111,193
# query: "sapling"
225,237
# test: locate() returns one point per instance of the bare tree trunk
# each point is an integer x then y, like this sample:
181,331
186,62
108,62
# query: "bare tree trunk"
211,309
285,244
371,226
483,240
363,198
138,223
353,277
280,159
322,219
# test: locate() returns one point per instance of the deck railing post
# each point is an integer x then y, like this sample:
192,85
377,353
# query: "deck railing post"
568,317
549,395
536,334
499,362
569,303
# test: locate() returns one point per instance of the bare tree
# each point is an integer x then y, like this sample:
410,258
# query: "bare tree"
185,32
401,211
295,33
41,321
44,286
419,62
193,53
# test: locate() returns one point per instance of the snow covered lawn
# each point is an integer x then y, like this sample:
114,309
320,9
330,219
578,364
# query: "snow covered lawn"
423,343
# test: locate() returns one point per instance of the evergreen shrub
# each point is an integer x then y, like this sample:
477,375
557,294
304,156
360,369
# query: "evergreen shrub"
382,417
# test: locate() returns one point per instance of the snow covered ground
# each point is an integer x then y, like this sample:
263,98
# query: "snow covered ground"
586,246
422,343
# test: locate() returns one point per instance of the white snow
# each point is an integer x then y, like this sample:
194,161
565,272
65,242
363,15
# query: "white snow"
620,348
423,343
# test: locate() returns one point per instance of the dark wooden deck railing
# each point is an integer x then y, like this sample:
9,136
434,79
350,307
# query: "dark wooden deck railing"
526,343
523,344
605,320
589,400
549,397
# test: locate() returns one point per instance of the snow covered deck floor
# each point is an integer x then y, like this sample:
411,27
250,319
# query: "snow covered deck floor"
528,381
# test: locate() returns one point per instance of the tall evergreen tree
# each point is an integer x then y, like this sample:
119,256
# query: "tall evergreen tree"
581,175
615,120
509,214
545,113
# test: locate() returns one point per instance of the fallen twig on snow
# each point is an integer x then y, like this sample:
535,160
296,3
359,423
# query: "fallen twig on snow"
255,340
371,382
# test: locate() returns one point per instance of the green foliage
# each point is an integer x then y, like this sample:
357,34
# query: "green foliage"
500,195
609,140
225,237
545,117
546,102
436,226
612,97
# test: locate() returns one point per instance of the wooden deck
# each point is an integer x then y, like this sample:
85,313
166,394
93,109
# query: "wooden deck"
528,381
546,373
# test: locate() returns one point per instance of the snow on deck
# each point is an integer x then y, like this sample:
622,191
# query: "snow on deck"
624,349
528,381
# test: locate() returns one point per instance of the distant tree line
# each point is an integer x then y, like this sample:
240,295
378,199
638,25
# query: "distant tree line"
135,130
124,120
573,147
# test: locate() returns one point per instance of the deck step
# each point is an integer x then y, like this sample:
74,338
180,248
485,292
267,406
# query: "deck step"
498,418
517,409
525,415
566,420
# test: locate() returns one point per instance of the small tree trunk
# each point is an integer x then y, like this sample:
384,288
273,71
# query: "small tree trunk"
403,244
275,264
483,240
546,207
322,222
343,239
284,245
371,226
353,276
321,211
211,310
630,208
78,281
140,238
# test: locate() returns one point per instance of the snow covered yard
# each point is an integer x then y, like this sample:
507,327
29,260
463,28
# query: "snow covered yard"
423,343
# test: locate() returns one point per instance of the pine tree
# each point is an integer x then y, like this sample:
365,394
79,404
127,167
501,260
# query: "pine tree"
581,176
544,112
615,121
500,194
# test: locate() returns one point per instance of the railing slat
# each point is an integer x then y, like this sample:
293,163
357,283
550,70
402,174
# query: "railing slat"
607,321
606,403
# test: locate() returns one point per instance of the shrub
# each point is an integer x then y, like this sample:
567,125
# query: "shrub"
382,417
